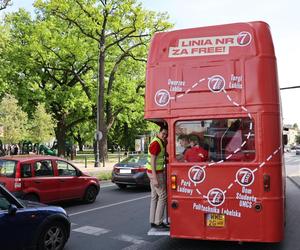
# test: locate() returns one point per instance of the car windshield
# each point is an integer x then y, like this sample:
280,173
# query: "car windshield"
138,159
7,168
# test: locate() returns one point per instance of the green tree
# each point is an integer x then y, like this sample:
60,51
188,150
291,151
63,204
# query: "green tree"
13,120
120,31
50,63
83,133
41,126
4,40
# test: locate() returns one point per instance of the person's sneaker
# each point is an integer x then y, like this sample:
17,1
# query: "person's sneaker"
161,226
153,225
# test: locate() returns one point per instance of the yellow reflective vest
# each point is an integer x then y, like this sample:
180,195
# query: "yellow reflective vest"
160,156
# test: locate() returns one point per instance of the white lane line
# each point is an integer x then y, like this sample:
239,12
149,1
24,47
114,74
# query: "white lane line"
91,230
130,238
110,205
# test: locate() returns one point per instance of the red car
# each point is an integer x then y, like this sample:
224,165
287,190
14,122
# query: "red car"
46,179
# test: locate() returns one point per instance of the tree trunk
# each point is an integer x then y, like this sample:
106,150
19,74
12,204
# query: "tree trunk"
101,125
79,140
80,145
61,136
126,135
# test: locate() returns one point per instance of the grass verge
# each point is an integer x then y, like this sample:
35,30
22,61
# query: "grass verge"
104,176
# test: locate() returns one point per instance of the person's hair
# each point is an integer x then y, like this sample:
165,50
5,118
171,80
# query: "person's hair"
194,138
183,137
162,128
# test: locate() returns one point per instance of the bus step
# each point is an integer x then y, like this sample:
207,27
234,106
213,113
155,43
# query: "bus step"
156,232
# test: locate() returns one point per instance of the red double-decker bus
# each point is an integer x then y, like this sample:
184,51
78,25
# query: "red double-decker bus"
217,90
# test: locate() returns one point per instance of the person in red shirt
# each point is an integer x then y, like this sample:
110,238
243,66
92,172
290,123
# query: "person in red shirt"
155,172
196,153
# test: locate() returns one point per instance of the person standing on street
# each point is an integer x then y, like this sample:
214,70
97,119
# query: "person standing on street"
155,171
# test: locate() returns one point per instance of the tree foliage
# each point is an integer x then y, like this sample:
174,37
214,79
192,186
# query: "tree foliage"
121,31
13,120
41,126
51,65
76,53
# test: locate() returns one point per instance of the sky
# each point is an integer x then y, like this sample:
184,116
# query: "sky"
282,15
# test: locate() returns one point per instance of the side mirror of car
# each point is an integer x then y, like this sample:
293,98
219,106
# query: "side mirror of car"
12,209
78,173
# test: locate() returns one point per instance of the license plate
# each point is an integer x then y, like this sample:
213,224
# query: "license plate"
215,220
125,171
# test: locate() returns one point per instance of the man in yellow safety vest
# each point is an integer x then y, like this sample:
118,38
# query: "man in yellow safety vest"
155,171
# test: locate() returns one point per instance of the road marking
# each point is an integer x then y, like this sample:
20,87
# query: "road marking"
110,205
130,238
91,230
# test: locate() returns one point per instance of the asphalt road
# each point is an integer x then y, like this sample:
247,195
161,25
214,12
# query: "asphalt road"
119,220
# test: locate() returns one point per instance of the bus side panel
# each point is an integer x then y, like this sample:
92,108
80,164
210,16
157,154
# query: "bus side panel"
261,76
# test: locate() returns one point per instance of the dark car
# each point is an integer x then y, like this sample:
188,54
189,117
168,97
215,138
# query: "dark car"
31,225
46,179
298,150
131,171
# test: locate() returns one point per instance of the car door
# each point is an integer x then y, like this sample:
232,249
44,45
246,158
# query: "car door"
71,185
45,182
16,229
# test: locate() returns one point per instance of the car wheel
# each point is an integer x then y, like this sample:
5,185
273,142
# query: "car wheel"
122,186
31,197
90,194
53,237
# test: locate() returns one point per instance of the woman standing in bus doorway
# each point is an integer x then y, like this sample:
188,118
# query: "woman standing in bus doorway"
155,171
196,153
